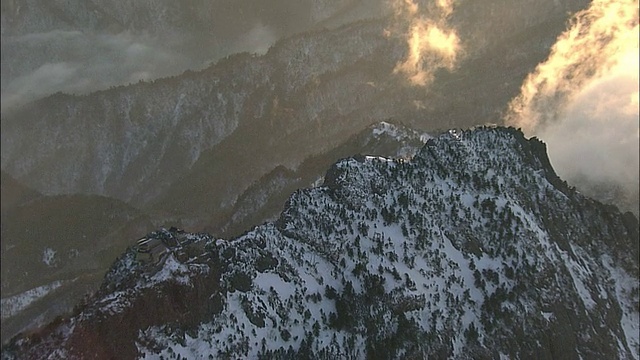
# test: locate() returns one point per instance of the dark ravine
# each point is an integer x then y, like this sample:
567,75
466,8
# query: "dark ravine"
471,249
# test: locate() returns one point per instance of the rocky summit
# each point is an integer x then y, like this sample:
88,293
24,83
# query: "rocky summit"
471,249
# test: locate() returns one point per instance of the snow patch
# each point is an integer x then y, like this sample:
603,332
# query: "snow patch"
626,287
15,304
547,315
172,269
49,257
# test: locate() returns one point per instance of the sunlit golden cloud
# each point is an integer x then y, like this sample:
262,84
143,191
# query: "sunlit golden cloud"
583,100
432,44
446,6
597,43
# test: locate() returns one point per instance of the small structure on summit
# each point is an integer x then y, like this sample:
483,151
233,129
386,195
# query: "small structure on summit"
156,246
152,250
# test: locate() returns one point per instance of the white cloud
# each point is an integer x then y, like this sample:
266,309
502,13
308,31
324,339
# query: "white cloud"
583,101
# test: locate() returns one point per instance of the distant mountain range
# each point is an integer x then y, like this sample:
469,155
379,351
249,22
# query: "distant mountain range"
317,88
79,46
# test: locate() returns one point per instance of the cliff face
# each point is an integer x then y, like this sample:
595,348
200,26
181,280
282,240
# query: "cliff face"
471,249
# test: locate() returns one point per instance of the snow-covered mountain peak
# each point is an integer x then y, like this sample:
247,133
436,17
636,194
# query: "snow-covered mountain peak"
471,249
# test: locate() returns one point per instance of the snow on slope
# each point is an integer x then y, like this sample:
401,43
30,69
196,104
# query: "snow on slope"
14,304
472,249
370,234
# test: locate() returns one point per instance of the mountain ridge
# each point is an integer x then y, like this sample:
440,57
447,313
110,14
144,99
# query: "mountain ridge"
69,249
471,249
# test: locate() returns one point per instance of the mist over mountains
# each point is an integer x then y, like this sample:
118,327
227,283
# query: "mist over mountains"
585,95
303,80
79,47
166,124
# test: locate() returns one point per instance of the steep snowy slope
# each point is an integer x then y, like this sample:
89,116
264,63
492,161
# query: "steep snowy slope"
472,249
